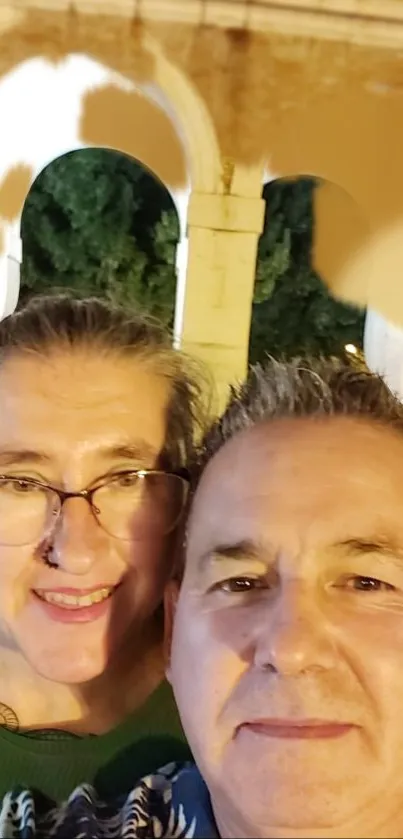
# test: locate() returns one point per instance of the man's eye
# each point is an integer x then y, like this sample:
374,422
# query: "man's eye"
241,585
368,584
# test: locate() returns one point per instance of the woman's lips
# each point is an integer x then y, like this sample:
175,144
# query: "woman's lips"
309,729
67,605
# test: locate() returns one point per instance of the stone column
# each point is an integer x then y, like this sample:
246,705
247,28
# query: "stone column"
383,348
10,261
223,232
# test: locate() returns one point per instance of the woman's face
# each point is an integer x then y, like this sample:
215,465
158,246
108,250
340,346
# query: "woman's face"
70,420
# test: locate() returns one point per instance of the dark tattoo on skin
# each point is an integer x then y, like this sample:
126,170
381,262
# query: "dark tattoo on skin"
51,734
10,721
8,718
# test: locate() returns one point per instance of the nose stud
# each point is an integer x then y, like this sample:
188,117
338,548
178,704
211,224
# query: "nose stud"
47,556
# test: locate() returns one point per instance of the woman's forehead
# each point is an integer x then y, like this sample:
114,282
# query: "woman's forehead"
79,396
79,374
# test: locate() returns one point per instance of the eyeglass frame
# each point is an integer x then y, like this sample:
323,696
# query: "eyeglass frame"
88,493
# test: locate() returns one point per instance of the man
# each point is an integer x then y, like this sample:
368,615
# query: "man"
287,645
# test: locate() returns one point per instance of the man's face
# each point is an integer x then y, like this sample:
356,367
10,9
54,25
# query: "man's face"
287,655
69,421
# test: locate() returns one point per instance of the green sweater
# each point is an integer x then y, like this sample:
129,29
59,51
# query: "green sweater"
151,737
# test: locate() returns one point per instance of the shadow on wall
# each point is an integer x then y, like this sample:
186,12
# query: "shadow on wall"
13,191
131,123
341,245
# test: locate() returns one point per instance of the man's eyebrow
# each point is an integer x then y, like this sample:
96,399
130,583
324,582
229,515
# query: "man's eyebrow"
379,545
245,549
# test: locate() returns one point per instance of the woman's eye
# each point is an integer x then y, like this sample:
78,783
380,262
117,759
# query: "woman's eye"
126,480
20,486
241,585
368,584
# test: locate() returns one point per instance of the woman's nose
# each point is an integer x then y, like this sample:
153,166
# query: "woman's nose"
77,539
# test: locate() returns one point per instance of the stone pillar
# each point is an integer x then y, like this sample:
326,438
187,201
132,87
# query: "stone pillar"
223,233
10,261
383,349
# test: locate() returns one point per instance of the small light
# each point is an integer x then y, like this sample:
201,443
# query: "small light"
350,348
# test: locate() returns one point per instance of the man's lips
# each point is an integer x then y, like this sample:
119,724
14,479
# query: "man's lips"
304,729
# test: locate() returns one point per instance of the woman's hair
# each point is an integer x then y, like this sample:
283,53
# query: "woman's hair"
63,322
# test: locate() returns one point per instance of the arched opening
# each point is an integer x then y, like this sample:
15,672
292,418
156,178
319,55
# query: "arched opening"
98,222
294,312
77,104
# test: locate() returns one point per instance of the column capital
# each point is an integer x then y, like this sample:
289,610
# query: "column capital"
230,213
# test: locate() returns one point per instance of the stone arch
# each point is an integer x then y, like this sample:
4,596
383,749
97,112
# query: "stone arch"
58,187
339,233
341,137
110,92
345,124
175,92
342,232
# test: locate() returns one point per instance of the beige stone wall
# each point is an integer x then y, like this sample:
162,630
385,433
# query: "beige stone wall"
244,93
373,22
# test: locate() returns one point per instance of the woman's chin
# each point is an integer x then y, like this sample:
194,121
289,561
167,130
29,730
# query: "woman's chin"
68,653
77,673
72,667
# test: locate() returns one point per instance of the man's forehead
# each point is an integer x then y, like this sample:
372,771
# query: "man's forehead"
355,450
268,437
230,472
300,490
262,440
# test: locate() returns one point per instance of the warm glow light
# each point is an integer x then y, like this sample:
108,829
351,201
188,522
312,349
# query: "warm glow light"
350,348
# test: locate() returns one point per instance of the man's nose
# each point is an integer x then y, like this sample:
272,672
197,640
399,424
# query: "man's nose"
296,635
77,538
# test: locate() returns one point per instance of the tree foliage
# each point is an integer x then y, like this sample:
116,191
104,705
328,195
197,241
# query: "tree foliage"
97,222
293,312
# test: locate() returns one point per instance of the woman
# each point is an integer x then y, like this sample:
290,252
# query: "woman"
97,422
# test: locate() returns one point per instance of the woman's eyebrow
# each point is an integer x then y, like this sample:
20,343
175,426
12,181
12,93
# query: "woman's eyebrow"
138,450
19,457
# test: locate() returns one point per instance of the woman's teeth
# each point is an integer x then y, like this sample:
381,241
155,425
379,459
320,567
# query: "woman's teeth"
74,601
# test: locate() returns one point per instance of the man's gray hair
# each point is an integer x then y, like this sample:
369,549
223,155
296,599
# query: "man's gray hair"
302,387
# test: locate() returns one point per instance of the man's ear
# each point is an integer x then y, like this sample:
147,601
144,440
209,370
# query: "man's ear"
171,595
